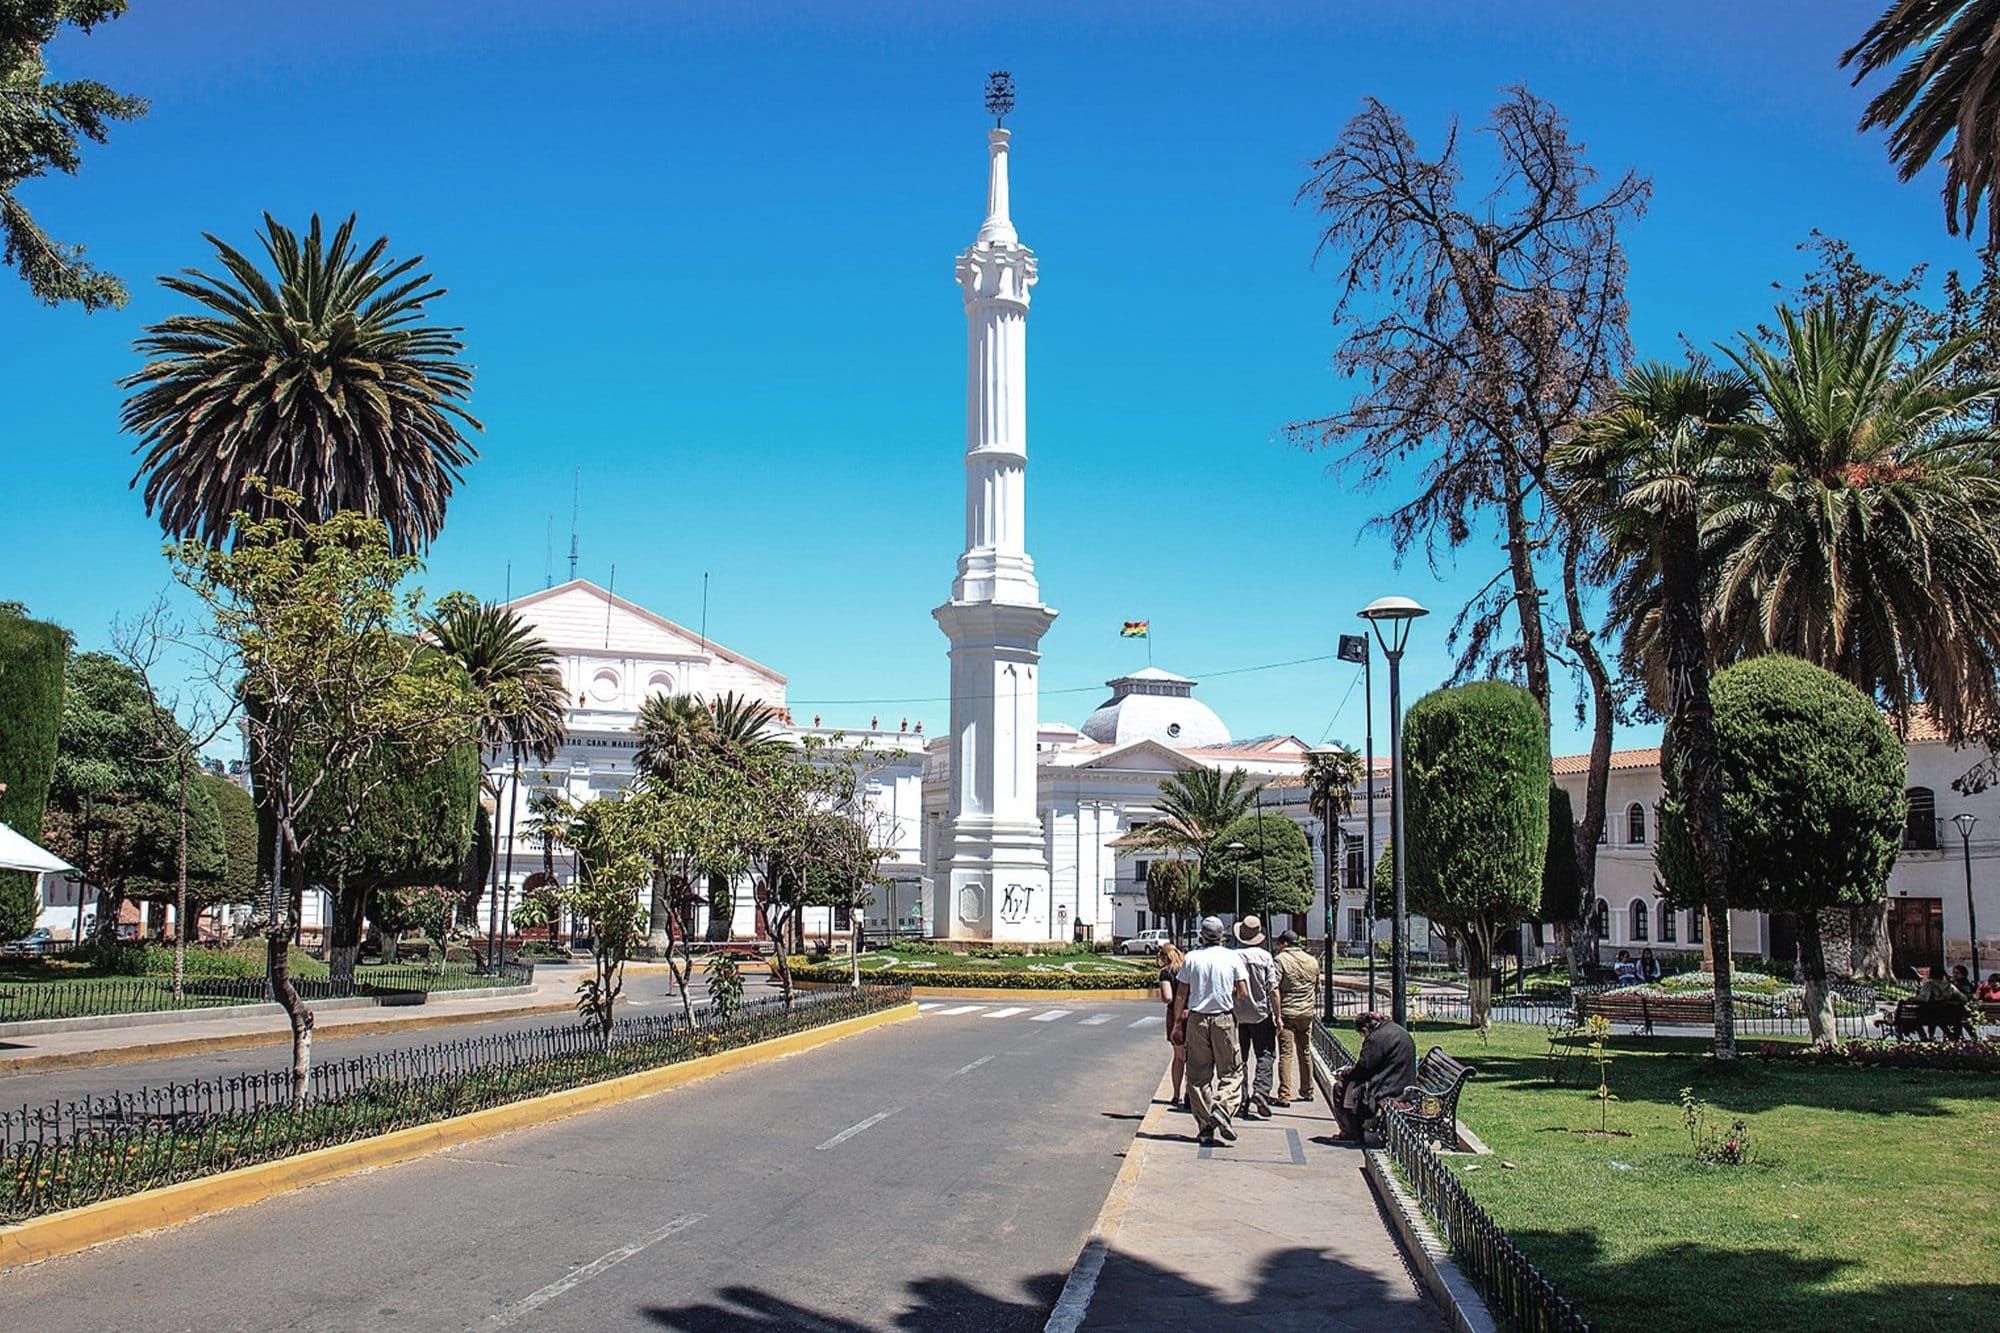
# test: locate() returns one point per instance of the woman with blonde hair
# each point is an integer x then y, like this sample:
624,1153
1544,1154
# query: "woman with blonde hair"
1170,971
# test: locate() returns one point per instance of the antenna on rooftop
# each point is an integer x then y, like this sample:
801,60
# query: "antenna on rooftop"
575,502
549,553
704,610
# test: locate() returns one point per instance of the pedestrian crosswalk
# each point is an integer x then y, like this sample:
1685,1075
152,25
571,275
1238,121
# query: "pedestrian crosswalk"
1082,1017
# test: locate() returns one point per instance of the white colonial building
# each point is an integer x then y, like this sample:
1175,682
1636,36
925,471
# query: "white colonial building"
1931,912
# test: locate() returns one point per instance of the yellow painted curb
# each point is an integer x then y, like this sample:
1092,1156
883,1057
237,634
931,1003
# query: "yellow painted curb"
79,1228
239,1041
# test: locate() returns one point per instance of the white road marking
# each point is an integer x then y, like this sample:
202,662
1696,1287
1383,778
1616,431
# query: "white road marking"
535,1301
961,1009
852,1130
929,1005
1148,1022
1050,1017
969,1068
1004,1013
1095,1019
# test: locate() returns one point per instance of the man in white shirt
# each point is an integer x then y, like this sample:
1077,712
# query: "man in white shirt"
1213,981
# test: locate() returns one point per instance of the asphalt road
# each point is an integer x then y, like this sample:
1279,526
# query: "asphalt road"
647,991
937,1174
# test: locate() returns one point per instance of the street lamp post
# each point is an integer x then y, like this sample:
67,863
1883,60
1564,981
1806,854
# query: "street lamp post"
1391,617
1236,864
1965,822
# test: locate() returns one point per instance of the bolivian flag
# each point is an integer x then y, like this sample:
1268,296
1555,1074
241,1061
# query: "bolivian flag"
1134,629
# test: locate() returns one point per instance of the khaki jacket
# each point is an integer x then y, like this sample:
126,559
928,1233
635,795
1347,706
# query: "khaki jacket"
1298,982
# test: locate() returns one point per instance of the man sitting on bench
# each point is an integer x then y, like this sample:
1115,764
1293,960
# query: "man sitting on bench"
1386,1067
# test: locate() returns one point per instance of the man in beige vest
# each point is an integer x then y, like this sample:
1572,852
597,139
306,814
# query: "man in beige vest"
1298,996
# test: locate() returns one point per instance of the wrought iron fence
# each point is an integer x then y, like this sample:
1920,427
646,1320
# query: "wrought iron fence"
92,997
1516,1292
1783,1015
75,1153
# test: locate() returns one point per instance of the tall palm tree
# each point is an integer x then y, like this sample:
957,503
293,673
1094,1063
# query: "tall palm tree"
1331,776
1195,806
523,706
1943,100
1870,541
1643,471
322,380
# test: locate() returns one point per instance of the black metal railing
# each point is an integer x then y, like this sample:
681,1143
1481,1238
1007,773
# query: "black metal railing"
69,1154
1516,1292
1854,1011
96,997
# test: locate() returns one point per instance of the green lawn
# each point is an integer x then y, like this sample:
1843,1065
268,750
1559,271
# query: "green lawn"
916,962
1873,1200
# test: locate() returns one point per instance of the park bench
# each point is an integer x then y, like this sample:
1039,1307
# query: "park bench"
1644,1010
1929,1019
1431,1103
1569,1046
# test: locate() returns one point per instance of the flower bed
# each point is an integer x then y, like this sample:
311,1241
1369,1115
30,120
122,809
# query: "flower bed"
1974,1056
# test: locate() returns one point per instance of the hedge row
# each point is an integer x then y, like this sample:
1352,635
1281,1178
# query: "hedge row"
838,973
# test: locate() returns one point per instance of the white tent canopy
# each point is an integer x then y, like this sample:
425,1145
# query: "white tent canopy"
17,853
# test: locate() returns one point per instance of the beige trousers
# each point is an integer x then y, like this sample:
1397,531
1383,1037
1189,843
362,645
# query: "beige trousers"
1295,1052
1214,1068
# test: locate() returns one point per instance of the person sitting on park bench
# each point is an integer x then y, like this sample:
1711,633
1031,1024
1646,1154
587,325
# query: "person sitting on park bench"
1386,1067
1961,981
1628,971
1989,989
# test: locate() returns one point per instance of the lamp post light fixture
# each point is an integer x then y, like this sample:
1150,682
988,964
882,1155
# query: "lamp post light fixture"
1391,617
1236,864
1965,821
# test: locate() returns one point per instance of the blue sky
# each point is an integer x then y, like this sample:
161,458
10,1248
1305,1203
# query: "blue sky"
704,252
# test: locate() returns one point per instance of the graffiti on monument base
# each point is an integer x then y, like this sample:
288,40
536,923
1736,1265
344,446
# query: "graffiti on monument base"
1016,900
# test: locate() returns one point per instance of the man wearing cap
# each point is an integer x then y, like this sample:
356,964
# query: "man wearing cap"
1212,981
1298,993
1257,1019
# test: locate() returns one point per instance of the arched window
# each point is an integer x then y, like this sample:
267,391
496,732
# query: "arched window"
1920,828
1601,920
1670,922
1695,923
1635,824
1638,916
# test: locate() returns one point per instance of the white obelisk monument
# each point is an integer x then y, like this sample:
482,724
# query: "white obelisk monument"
996,880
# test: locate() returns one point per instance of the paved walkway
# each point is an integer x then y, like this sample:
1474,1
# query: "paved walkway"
1279,1231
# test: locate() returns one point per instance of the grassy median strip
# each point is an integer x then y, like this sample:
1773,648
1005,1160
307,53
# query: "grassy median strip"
70,1155
1842,1194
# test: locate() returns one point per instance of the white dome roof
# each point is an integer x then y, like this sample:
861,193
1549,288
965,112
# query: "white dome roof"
1155,705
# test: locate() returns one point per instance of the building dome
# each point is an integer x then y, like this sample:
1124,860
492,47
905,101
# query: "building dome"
1155,705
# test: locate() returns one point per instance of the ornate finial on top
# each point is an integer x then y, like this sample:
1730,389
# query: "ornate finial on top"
999,95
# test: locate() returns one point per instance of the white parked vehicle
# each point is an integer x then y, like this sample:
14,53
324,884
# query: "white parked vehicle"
1146,941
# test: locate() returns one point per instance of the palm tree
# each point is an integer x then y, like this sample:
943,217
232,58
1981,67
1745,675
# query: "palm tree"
1331,777
1643,471
324,382
523,706
745,729
1195,806
673,730
1870,544
1943,100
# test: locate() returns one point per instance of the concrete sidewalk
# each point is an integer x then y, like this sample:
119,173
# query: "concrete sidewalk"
1279,1231
246,1026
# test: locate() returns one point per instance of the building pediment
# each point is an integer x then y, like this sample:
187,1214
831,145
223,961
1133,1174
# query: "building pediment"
581,618
1143,756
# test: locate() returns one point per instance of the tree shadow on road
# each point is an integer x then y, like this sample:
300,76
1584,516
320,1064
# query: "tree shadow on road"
1297,1289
